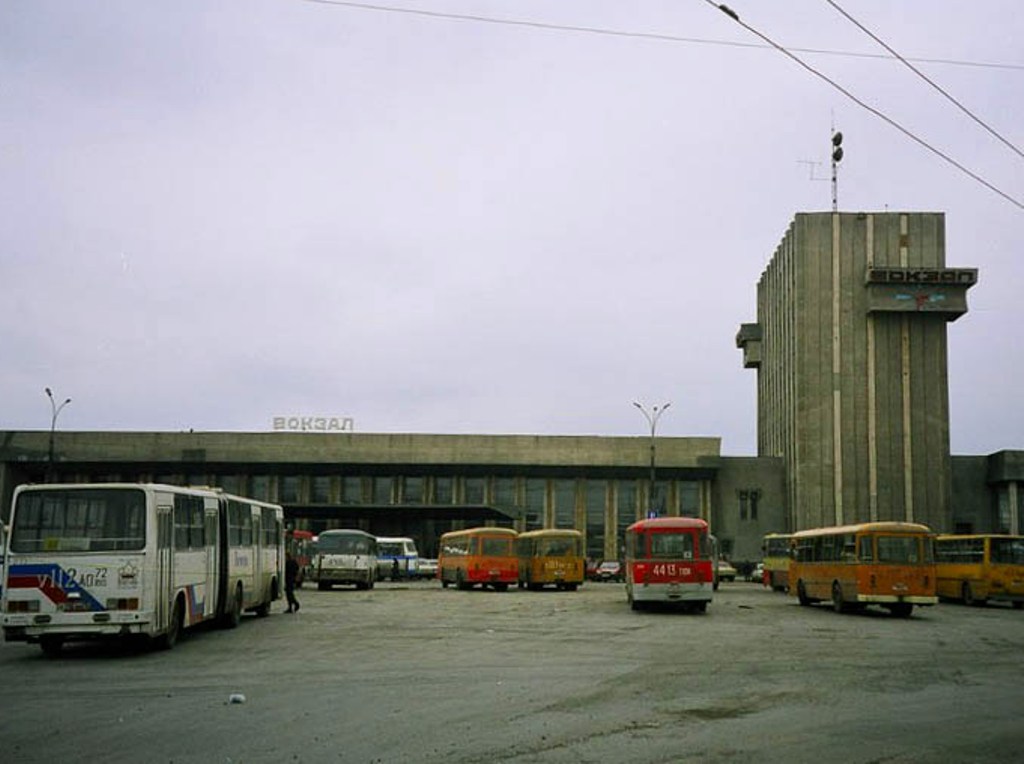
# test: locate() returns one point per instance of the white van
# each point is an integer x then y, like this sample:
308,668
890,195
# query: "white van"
397,558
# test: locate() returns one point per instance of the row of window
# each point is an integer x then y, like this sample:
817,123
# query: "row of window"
869,548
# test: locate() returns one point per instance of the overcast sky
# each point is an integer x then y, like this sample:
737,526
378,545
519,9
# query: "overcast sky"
212,213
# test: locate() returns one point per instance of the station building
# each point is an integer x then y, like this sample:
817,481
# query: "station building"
853,425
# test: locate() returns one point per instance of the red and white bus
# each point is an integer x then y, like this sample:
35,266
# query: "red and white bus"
669,559
89,561
484,556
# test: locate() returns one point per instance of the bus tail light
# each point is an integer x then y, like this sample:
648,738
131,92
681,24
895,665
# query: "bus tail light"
123,603
23,606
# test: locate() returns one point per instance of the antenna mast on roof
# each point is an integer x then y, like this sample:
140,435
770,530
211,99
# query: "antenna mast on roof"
837,157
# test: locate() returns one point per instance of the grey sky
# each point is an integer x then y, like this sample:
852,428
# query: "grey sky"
216,212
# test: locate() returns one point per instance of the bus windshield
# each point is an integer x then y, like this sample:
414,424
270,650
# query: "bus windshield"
80,520
337,543
1008,551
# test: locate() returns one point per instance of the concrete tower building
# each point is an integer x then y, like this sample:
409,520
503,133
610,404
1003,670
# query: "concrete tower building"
850,352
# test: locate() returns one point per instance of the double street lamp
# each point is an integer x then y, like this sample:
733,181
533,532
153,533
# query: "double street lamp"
55,410
652,417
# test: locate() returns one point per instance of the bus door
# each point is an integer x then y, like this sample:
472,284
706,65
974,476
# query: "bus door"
164,563
212,566
256,593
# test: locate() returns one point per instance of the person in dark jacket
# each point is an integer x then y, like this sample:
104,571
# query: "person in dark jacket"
291,573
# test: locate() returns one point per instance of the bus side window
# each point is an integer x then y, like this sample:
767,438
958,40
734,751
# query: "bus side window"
865,553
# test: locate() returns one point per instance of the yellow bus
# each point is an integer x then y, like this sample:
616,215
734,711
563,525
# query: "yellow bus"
891,564
552,556
981,567
775,558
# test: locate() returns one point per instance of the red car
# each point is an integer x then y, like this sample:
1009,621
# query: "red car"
609,570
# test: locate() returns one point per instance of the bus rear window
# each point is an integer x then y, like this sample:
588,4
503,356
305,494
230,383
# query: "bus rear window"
672,546
496,547
83,520
899,549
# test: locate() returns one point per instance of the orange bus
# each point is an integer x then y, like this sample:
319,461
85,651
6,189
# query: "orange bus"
891,564
485,556
670,559
551,556
980,567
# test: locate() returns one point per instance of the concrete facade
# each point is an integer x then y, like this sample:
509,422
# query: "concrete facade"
850,352
424,485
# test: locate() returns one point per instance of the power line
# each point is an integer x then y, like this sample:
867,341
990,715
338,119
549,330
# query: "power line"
645,35
920,74
920,141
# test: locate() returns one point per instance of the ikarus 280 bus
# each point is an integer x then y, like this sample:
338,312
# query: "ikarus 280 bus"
89,561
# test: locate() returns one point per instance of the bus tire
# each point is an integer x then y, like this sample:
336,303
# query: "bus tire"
967,592
501,587
901,609
1017,604
323,586
169,638
51,646
801,593
837,598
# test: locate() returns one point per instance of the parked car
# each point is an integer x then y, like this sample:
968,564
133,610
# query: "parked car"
726,571
591,571
757,573
427,568
609,570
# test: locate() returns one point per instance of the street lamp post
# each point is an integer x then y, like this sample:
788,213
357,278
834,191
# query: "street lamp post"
652,417
55,410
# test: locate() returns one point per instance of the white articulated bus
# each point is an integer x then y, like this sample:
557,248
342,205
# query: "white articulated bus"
89,561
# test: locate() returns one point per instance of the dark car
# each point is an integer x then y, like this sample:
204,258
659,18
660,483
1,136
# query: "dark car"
609,570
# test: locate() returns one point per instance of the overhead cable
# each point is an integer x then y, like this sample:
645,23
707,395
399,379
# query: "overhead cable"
920,74
885,118
642,35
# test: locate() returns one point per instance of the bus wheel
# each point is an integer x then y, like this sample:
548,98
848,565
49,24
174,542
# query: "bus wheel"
323,586
1017,605
51,646
700,607
901,609
967,591
501,587
801,593
837,598
169,638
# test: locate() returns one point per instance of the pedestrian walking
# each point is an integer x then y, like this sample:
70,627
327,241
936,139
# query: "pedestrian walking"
291,573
